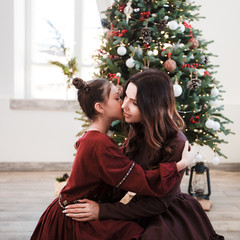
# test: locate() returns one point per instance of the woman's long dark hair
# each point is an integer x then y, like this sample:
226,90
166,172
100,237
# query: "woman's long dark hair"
161,121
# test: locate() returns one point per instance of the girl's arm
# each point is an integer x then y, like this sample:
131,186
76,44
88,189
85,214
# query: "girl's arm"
145,206
117,170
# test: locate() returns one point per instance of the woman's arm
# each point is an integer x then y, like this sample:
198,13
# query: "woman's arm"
146,206
115,169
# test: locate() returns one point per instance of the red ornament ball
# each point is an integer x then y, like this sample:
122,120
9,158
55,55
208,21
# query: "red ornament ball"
194,42
170,65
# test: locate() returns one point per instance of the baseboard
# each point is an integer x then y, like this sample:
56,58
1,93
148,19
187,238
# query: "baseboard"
67,166
35,166
228,167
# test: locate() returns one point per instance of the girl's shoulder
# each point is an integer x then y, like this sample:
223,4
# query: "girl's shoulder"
95,137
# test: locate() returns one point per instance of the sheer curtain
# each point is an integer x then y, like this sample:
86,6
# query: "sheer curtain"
103,5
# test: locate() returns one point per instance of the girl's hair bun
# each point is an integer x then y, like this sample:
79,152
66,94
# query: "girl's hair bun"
79,83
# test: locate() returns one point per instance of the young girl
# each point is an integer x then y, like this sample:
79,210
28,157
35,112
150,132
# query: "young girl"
98,167
149,106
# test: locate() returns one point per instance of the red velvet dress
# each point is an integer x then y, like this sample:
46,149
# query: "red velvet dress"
176,216
99,165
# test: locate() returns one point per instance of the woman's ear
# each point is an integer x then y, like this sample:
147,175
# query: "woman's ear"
99,107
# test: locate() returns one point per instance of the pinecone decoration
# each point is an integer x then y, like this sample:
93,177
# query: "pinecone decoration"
148,2
162,25
146,34
147,40
204,59
194,84
105,23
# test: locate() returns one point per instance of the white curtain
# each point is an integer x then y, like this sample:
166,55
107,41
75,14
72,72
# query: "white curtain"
103,5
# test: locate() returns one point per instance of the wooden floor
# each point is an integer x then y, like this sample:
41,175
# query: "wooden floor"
25,195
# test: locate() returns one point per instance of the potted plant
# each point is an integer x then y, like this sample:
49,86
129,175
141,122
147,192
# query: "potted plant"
60,183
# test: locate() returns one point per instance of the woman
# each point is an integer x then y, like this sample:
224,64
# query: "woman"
99,165
149,106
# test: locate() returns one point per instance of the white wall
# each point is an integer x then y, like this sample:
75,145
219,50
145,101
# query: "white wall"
222,25
36,136
45,136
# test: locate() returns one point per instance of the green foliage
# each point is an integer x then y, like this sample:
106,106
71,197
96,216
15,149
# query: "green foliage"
70,68
196,105
63,178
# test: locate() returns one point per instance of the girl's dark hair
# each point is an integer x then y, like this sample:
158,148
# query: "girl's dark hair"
161,121
91,92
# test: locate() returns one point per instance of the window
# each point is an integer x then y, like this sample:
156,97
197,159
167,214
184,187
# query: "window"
50,25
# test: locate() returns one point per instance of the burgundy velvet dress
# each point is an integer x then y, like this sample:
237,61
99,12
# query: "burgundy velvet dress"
98,166
177,216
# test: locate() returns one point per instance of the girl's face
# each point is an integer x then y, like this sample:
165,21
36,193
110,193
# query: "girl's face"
130,108
112,108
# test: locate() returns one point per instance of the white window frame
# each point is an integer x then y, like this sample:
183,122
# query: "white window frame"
22,39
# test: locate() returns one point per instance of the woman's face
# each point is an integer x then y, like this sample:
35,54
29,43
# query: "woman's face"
113,105
129,106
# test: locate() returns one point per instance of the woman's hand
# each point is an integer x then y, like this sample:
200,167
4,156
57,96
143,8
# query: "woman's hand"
187,157
85,210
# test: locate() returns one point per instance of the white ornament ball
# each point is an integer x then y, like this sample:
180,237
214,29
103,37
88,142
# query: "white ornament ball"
166,18
198,157
130,63
173,25
118,74
150,53
209,123
155,52
201,71
213,102
216,126
214,92
216,160
182,27
181,45
177,90
121,51
105,56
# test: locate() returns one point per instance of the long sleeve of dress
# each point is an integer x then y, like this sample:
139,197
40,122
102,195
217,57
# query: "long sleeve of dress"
117,170
138,207
144,206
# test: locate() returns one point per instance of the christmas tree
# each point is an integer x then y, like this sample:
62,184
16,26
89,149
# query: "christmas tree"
142,34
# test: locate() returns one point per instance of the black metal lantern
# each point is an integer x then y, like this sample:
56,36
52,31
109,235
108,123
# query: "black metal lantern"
199,181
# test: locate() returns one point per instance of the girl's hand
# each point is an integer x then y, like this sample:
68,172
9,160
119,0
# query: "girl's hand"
187,157
85,210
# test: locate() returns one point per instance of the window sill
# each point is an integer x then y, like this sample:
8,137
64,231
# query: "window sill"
44,105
